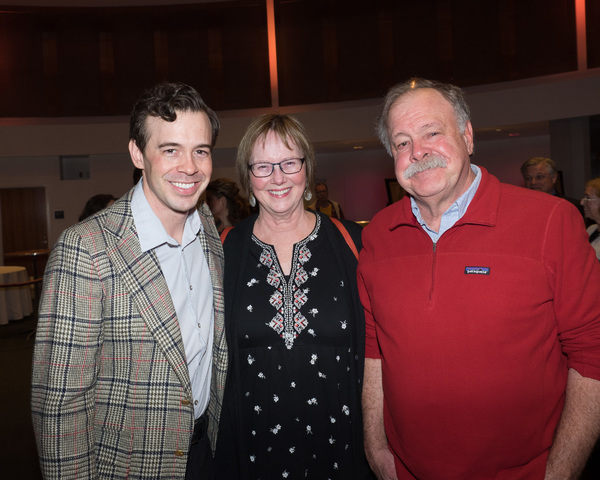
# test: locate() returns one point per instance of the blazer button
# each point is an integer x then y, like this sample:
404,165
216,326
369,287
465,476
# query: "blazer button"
179,453
185,402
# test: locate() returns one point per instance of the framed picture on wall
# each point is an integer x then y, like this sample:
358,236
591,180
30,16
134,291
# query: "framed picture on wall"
394,191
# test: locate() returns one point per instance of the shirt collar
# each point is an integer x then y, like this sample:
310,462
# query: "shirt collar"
454,212
150,230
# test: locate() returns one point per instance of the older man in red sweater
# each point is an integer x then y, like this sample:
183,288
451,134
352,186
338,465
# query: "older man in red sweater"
482,309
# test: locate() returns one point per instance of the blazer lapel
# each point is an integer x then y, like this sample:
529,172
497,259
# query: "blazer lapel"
142,277
213,251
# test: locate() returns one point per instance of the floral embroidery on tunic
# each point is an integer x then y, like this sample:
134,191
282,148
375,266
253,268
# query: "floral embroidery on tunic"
288,296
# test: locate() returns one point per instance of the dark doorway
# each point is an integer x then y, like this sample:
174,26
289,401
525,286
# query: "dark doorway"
24,228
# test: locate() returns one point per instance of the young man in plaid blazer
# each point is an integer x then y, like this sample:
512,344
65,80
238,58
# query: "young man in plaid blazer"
130,356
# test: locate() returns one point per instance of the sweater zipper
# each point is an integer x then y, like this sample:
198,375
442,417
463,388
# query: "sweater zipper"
433,265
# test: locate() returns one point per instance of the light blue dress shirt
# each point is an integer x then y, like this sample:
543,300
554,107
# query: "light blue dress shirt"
188,278
454,212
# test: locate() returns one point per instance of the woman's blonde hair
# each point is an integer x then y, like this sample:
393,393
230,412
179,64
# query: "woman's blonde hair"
290,131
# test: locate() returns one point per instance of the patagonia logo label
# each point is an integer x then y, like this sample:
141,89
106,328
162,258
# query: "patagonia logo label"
477,270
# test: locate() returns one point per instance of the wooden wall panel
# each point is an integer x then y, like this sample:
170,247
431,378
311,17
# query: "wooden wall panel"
359,73
477,55
189,49
467,42
96,61
546,37
300,52
421,37
133,51
21,66
245,60
78,57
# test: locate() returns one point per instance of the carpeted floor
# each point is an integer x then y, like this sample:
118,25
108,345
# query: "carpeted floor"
18,455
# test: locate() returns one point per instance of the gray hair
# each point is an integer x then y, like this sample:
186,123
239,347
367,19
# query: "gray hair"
547,162
453,94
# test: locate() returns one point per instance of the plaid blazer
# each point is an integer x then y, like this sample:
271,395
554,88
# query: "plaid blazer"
111,394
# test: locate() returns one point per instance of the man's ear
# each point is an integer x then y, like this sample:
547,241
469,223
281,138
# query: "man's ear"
137,157
468,137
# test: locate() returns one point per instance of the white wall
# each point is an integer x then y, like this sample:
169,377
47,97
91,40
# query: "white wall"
503,158
108,174
356,179
30,147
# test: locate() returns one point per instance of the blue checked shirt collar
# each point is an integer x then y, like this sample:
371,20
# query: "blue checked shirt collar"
150,230
454,212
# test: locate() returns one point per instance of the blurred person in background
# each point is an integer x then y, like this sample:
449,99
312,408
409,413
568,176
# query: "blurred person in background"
323,204
95,204
225,202
541,174
591,208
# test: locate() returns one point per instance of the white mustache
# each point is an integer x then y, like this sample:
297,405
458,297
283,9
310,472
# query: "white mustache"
433,161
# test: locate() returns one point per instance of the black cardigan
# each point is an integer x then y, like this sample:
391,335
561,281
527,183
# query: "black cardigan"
230,446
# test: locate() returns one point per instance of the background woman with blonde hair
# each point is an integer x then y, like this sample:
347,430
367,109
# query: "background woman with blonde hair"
591,209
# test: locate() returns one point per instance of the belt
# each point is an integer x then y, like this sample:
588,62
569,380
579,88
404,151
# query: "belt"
200,427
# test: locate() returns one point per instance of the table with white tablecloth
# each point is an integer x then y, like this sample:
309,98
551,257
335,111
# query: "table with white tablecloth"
15,302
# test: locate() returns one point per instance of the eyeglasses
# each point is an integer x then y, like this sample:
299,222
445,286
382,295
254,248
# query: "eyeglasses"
265,169
588,200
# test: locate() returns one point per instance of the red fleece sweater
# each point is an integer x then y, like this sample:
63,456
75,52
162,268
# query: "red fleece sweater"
477,332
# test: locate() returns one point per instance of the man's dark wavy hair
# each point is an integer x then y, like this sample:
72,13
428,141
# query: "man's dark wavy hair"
164,101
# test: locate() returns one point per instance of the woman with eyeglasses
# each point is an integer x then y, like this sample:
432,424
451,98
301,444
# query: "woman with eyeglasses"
294,322
591,209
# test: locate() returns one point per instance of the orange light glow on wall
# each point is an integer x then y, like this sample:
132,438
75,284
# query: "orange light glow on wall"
581,34
272,54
